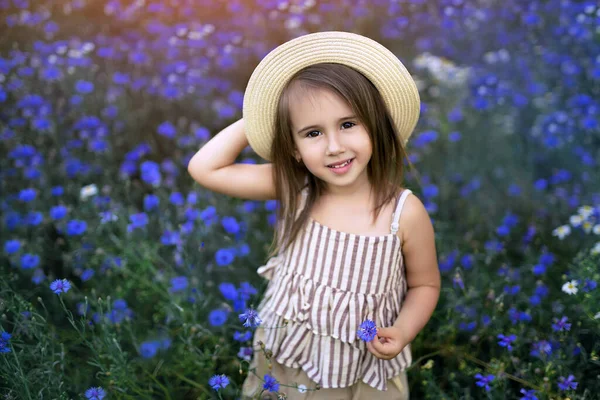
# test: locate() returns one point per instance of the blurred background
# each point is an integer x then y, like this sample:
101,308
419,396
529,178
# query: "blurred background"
122,278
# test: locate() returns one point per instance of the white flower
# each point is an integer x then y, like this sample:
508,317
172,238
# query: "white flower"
302,388
576,220
443,70
570,287
585,211
597,316
596,249
88,191
596,229
587,226
562,231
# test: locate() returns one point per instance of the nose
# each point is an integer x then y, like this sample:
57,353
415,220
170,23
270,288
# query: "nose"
334,144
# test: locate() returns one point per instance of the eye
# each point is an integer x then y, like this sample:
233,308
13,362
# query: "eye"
346,125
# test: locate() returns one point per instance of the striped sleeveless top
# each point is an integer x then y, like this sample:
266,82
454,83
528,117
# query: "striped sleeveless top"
325,285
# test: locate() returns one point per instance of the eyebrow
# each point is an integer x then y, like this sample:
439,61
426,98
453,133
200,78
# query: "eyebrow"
317,126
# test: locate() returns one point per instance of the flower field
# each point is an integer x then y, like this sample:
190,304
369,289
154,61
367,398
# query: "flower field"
122,278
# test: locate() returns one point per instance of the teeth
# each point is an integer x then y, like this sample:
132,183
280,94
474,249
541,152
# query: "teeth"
341,165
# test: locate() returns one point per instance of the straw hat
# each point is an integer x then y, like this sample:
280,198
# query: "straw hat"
365,55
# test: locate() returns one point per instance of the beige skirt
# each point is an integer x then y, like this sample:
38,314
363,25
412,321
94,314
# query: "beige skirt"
253,385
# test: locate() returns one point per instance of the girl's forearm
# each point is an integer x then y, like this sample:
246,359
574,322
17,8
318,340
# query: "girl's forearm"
221,151
416,311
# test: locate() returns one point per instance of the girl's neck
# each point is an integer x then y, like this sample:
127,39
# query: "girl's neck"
360,196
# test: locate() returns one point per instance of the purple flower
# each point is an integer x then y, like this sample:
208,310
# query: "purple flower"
95,393
367,330
541,348
167,129
218,381
270,384
506,341
29,261
230,225
60,286
528,395
11,246
250,318
76,227
225,256
242,337
178,284
149,349
84,86
567,383
484,381
560,325
217,317
4,338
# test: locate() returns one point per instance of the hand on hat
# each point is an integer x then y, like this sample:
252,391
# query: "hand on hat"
388,343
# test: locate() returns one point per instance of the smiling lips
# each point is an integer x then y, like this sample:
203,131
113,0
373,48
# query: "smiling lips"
340,164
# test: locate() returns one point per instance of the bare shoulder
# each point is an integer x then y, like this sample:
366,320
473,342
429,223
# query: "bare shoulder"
414,216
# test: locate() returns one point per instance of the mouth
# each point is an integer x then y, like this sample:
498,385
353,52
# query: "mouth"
340,164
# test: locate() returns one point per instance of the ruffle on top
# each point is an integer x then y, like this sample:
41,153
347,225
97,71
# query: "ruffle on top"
323,321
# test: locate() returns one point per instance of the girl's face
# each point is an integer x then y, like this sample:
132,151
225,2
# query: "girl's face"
327,134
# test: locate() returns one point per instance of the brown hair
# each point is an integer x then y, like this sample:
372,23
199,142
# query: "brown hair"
385,169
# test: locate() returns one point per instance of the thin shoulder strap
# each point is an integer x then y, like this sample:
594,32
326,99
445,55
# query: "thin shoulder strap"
398,211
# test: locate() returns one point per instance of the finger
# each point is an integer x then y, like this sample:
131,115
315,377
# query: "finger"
373,350
378,349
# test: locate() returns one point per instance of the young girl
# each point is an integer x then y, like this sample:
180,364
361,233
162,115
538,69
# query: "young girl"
332,111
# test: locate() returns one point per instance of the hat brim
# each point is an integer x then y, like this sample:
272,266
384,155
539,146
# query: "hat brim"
372,59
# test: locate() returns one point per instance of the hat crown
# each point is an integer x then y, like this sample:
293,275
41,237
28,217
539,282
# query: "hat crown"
367,56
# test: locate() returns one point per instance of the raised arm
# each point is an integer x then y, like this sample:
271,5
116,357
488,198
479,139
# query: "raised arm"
214,167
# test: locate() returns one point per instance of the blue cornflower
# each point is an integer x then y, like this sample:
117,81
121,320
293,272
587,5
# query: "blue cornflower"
177,199
539,269
4,338
230,225
506,341
27,195
541,348
29,261
229,291
138,220
149,349
270,384
95,393
11,246
151,201
242,337
217,317
560,325
484,381
76,227
225,256
202,133
567,383
589,285
367,330
87,274
167,129
218,381
528,395
60,286
58,212
150,173
84,86
178,284
251,318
